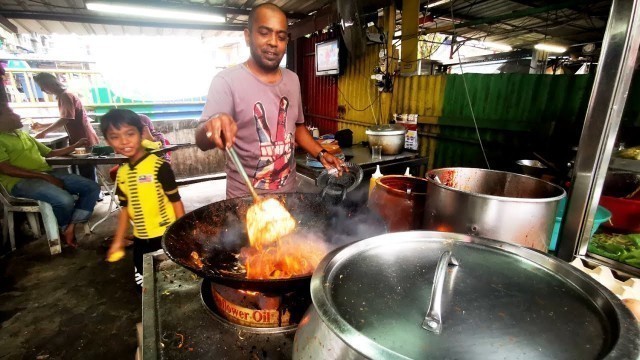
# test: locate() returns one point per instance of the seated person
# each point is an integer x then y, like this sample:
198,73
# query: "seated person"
25,173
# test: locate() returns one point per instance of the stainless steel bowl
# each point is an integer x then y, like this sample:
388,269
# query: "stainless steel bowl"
493,204
532,167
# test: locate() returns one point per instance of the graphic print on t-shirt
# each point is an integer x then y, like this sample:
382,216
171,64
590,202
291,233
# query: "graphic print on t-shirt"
274,165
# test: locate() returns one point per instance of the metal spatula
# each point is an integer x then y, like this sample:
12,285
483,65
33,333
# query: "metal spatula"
236,161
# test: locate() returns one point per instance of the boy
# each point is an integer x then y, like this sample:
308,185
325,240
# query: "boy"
146,188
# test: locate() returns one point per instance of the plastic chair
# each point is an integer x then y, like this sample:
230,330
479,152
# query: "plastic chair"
31,207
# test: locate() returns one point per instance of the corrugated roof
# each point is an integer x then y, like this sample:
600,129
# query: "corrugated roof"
570,22
71,16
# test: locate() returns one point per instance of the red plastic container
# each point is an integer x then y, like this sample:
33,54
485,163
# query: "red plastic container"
625,214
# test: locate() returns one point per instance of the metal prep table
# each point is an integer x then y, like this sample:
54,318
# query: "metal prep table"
176,325
360,155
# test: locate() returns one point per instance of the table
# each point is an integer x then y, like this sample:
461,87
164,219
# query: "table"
361,155
114,159
56,140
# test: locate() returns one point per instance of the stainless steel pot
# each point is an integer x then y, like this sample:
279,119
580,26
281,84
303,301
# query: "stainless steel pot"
390,137
438,295
493,204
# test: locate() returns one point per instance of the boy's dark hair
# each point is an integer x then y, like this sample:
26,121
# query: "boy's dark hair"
119,117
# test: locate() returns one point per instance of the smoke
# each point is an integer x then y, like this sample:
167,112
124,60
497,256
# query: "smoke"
351,220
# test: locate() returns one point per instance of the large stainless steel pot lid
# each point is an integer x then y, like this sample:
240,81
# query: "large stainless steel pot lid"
388,129
502,301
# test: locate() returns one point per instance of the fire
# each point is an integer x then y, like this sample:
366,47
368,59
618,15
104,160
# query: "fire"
268,221
275,252
290,256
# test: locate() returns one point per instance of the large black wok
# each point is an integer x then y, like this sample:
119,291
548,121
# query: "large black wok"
217,232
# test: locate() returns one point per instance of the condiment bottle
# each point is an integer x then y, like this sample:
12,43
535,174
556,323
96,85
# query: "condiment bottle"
374,176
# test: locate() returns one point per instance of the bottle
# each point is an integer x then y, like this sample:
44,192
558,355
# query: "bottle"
374,176
408,172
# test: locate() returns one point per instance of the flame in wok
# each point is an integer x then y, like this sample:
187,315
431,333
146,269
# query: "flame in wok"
275,250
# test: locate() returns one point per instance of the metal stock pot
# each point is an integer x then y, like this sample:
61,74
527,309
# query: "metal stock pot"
438,295
493,204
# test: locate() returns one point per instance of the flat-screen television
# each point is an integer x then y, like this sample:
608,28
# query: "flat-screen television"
328,58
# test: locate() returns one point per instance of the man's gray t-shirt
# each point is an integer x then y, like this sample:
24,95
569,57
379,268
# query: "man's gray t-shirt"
266,115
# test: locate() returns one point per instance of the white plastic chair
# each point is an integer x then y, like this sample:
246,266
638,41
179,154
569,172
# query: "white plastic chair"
31,207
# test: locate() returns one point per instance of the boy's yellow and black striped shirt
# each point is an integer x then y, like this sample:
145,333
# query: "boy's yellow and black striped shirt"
147,189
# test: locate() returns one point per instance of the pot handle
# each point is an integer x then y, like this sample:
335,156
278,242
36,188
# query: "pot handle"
433,320
330,198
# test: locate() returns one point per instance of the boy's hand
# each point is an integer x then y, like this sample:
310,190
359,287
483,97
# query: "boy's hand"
115,253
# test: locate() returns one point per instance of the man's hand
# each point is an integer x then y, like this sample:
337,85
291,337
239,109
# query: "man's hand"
221,130
80,143
40,135
331,162
54,180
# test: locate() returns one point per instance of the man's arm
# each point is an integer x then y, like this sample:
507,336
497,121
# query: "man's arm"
11,170
59,123
306,141
67,150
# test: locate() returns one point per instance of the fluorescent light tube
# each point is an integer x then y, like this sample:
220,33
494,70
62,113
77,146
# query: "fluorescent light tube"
550,48
153,12
433,4
497,46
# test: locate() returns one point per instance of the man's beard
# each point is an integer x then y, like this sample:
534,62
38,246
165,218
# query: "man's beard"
257,57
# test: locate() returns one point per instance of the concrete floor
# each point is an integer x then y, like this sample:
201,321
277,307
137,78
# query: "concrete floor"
75,305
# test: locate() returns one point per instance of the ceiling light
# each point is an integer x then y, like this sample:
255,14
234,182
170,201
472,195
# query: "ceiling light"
550,48
153,12
497,46
434,4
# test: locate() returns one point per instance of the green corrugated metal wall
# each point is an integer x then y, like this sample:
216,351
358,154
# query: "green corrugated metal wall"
516,114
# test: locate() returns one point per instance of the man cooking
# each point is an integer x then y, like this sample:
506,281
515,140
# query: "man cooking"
257,108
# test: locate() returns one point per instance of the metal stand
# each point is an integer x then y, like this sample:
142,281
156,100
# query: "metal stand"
112,199
606,104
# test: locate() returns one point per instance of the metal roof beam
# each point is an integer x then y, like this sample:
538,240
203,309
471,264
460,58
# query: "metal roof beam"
509,16
5,23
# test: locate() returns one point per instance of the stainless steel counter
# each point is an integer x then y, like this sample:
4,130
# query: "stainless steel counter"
360,155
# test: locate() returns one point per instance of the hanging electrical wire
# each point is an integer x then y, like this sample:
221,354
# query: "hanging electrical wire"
466,90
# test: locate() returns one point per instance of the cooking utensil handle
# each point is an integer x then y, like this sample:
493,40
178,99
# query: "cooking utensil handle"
433,320
236,161
341,197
